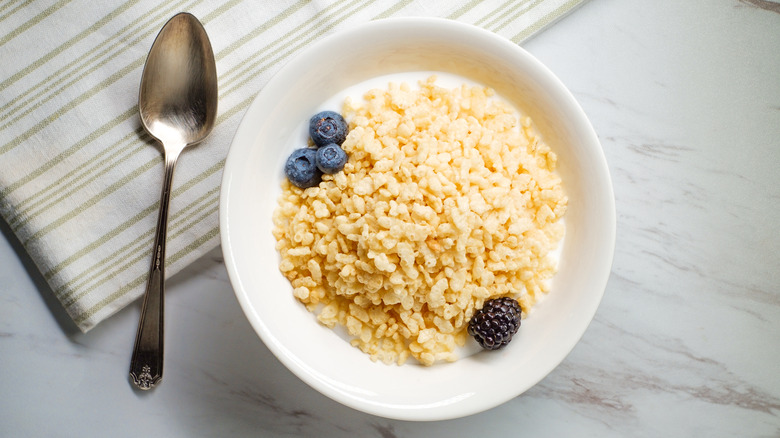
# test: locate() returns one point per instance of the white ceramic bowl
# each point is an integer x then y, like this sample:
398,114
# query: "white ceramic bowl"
275,124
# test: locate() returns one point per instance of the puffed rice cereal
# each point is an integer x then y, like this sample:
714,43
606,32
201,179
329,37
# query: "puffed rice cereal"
448,199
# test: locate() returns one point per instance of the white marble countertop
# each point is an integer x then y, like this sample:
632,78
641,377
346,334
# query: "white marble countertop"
685,96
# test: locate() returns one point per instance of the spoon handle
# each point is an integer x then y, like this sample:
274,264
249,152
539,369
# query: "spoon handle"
146,364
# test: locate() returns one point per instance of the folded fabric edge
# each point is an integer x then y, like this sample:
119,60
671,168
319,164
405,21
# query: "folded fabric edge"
562,12
87,320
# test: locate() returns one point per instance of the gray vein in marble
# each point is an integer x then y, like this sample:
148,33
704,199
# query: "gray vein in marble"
295,419
385,431
663,366
763,4
662,151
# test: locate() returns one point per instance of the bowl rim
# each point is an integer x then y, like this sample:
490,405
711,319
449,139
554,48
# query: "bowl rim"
386,25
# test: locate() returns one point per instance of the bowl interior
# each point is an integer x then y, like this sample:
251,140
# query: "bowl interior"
275,124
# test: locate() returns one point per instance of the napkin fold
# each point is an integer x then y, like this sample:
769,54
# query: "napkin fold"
80,179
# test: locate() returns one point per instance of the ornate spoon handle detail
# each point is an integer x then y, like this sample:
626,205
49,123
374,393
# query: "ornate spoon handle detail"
146,365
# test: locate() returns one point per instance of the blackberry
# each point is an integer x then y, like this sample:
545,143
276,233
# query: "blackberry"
495,323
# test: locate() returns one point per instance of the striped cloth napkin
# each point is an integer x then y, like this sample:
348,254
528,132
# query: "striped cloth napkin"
80,180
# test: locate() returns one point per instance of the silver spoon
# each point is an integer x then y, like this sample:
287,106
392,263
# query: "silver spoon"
178,105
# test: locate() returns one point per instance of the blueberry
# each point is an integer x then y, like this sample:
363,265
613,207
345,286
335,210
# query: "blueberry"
328,127
301,168
331,158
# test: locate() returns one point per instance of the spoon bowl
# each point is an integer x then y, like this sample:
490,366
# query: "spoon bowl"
177,103
177,100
